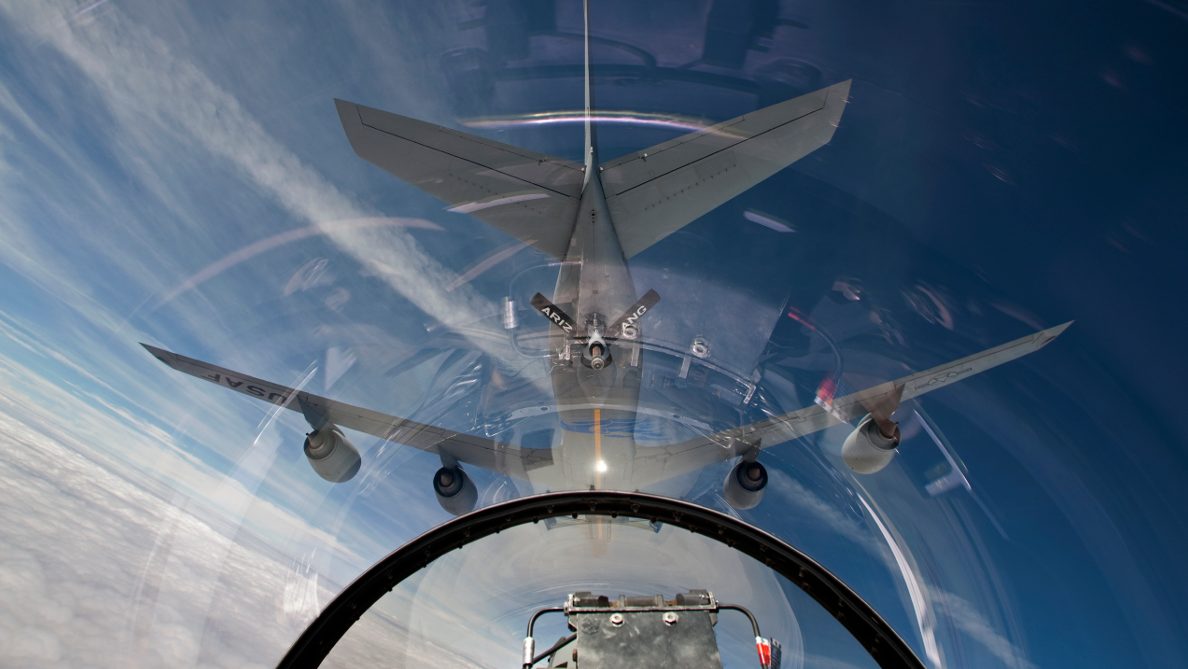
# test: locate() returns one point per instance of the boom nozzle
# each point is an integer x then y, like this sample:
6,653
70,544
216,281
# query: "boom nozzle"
596,349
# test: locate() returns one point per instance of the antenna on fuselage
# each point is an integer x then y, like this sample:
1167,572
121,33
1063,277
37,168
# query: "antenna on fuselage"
591,158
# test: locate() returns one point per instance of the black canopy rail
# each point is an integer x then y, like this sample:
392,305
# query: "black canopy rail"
869,629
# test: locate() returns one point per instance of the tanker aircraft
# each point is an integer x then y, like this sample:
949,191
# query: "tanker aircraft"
594,217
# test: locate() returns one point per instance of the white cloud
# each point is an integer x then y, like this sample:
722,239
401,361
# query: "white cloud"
103,566
76,538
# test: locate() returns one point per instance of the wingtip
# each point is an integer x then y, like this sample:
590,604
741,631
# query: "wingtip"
158,353
836,98
346,109
350,117
842,89
1046,336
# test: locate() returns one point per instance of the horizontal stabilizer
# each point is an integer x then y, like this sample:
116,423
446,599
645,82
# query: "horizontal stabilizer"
461,446
530,196
656,192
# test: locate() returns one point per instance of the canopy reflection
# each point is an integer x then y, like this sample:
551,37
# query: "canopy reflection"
503,563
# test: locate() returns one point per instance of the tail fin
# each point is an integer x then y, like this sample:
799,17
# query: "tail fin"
659,190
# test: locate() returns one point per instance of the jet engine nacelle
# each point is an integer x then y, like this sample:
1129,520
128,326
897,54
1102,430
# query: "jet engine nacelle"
456,492
744,485
867,450
331,455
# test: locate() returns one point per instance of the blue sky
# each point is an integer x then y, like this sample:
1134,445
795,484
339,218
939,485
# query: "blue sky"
178,175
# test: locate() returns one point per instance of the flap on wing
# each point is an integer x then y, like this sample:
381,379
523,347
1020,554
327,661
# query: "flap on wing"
464,447
655,192
530,196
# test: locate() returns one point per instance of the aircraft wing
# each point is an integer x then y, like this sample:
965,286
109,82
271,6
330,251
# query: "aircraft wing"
657,191
676,459
460,446
528,195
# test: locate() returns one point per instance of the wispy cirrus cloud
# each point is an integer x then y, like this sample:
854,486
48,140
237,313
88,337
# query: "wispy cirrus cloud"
932,605
164,113
164,127
123,158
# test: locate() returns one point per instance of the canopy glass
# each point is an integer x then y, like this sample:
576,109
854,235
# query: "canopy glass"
178,175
